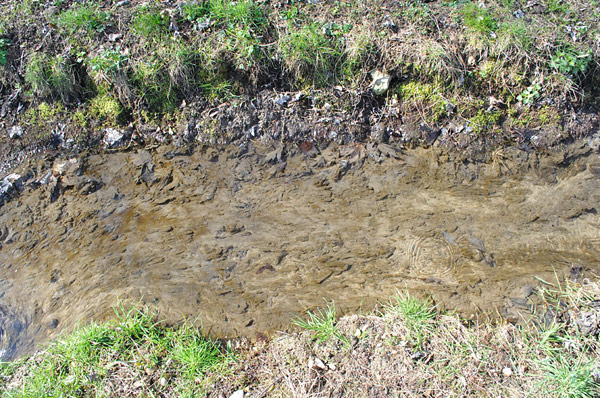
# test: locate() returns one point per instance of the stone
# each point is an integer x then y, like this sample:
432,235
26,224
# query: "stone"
7,184
237,394
63,167
316,363
507,372
52,324
587,323
15,132
283,100
113,138
381,82
594,142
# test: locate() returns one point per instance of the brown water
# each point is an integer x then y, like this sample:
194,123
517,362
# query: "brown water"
248,238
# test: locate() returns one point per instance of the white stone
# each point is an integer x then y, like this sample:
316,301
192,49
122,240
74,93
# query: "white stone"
15,132
507,372
237,394
113,137
381,82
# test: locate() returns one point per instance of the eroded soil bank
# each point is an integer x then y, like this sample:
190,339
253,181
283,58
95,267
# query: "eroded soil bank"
247,237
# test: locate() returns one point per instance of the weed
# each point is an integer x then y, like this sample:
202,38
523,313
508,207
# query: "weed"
530,94
323,323
571,62
108,61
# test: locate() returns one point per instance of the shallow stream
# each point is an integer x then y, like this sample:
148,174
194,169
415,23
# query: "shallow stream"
245,238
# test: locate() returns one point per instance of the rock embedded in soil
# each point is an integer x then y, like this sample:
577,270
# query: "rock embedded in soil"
114,138
237,394
15,132
381,82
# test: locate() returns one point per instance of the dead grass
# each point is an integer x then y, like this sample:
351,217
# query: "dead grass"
455,358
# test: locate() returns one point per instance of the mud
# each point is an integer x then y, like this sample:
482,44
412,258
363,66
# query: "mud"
247,237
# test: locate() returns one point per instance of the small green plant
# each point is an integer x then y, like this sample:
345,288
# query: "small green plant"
3,51
571,62
323,323
530,94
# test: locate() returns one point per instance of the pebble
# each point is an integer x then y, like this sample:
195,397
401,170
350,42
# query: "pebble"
507,372
113,137
237,394
15,132
381,82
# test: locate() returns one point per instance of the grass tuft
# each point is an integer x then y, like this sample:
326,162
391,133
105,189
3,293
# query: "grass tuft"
323,323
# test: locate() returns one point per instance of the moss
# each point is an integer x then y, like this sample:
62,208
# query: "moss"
426,98
80,119
415,91
106,109
43,114
545,116
486,121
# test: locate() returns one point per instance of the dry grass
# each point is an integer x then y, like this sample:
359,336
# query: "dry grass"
412,351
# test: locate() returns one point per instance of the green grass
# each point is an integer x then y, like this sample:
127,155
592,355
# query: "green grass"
409,346
150,22
323,323
51,77
480,19
4,43
418,316
151,57
312,55
82,18
93,357
566,358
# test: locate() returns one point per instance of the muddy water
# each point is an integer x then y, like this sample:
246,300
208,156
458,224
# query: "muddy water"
246,238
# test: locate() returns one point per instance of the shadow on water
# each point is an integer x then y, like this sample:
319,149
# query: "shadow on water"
247,237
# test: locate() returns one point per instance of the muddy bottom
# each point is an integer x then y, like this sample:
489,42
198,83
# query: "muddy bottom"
246,238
